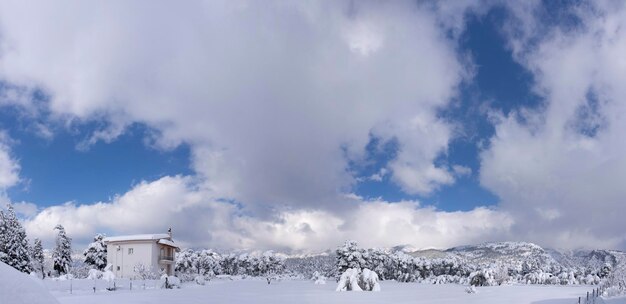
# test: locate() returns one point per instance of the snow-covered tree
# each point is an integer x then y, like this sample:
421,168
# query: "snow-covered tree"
184,261
268,264
38,257
350,256
96,253
204,262
13,242
229,264
377,261
306,266
207,263
62,254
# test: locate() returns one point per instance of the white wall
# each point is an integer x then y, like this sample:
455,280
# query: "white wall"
142,254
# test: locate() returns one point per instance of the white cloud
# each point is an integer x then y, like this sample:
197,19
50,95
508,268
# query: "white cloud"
274,98
559,169
378,176
461,170
413,169
199,219
25,209
363,38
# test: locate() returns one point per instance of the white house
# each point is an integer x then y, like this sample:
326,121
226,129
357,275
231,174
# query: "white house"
155,251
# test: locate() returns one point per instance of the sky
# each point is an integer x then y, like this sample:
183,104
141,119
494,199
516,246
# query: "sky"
295,125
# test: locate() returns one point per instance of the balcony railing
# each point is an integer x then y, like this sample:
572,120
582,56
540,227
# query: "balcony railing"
166,258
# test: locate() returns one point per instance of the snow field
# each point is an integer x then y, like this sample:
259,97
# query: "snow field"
305,291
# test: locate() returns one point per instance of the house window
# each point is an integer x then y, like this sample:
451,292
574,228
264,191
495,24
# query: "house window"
118,268
130,251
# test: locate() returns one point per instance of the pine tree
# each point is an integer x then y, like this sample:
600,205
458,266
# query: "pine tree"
38,258
13,242
350,256
96,253
62,254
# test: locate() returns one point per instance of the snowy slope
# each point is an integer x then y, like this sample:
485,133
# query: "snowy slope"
587,258
509,253
19,288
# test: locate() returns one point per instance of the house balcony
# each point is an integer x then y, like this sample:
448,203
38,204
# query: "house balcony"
166,259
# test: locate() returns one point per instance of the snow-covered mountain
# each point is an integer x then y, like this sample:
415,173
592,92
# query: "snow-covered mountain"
514,254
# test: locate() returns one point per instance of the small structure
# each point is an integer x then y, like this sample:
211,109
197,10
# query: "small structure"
154,251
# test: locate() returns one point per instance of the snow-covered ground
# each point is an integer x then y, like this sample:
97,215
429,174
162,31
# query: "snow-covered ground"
258,291
19,288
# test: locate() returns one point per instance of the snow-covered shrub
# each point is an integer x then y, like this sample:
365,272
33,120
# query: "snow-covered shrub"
349,280
199,280
318,278
501,275
94,274
369,280
108,275
483,277
613,291
567,278
143,272
470,289
356,280
79,269
605,270
591,279
169,282
443,279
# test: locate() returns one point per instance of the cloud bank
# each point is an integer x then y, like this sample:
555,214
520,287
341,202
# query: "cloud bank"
202,221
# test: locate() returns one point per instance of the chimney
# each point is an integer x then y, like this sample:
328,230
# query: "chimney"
169,232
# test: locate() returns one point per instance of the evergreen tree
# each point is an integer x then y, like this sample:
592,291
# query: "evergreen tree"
350,256
62,254
38,258
96,253
13,242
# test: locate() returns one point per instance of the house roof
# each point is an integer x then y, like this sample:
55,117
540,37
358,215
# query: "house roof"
137,237
168,243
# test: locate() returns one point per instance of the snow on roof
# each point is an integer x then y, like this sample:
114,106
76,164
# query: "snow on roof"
137,237
168,243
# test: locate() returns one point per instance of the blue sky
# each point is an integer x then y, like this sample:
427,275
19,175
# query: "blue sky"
289,126
55,171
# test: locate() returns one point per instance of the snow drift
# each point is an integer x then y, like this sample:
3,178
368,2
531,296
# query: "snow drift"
19,288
